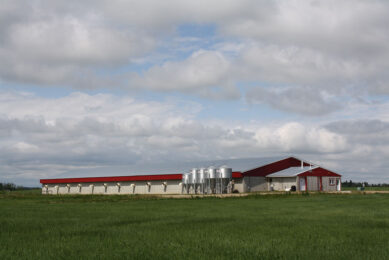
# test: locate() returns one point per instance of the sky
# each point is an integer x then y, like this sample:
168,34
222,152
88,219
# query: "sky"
91,84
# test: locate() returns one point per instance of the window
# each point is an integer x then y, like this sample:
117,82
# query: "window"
332,181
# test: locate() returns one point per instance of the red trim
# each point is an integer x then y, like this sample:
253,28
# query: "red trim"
306,183
124,178
237,175
115,178
321,183
319,172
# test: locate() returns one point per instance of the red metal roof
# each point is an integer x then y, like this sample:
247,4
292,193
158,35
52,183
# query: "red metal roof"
123,178
237,175
114,178
319,172
273,167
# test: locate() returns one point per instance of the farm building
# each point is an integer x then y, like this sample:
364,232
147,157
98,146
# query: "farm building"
208,177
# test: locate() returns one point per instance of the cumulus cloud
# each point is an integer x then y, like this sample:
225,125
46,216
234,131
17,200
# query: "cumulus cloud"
204,72
298,65
48,43
370,132
295,137
311,58
46,136
337,47
299,100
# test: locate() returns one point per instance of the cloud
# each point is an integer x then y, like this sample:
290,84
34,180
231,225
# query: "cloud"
337,47
299,100
47,137
51,44
327,26
297,65
294,137
322,60
370,132
368,141
203,73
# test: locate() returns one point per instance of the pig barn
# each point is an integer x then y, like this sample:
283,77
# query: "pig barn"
206,177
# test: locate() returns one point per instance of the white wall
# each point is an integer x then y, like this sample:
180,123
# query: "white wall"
239,185
134,187
326,183
313,183
141,187
283,183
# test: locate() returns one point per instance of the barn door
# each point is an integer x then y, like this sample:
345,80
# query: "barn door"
302,184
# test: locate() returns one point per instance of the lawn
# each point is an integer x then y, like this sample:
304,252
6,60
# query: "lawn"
320,226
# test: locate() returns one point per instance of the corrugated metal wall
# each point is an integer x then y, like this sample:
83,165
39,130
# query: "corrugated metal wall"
252,184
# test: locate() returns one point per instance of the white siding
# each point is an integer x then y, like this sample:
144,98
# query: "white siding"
238,185
313,183
283,183
141,187
326,183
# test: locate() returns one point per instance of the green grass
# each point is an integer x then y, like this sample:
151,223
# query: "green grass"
320,226
367,188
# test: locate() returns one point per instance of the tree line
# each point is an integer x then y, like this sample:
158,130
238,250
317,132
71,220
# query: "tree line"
11,187
350,183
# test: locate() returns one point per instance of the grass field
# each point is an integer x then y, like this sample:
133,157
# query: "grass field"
367,188
321,226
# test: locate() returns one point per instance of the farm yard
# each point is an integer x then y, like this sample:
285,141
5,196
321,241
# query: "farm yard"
303,226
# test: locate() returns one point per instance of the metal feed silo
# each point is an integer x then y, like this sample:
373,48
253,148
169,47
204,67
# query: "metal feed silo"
194,175
186,182
225,172
225,175
212,176
195,179
185,178
203,179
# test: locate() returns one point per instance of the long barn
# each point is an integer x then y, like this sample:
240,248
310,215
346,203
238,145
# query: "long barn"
241,175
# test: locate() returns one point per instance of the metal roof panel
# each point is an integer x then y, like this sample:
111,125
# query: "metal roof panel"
291,172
